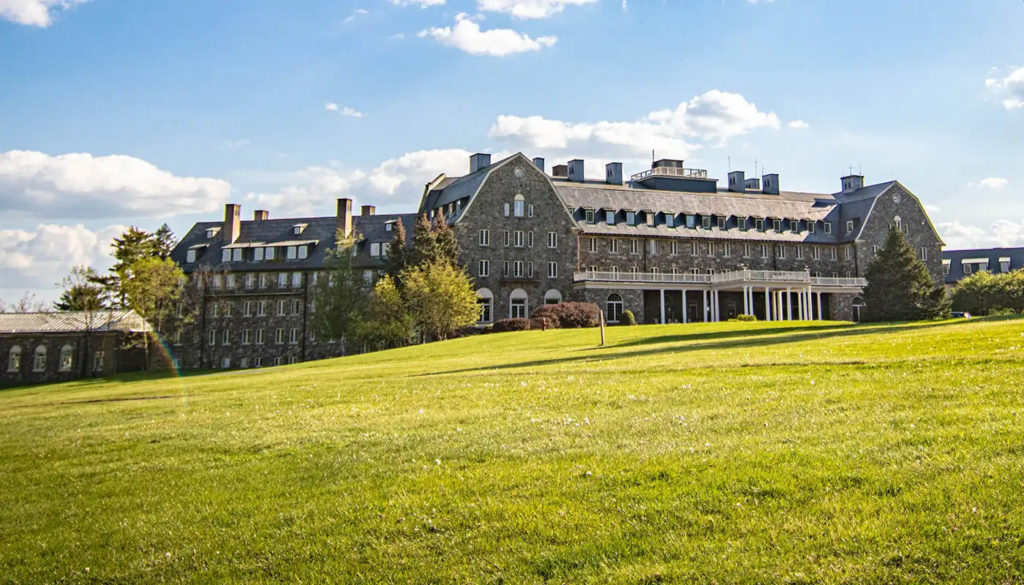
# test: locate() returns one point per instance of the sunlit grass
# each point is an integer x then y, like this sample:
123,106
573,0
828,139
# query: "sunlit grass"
761,453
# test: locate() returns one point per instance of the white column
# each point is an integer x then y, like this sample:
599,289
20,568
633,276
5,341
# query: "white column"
767,304
800,305
789,306
714,305
706,309
748,296
819,306
685,310
662,306
810,305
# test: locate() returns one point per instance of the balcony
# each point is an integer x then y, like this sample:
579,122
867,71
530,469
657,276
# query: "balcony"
725,279
677,172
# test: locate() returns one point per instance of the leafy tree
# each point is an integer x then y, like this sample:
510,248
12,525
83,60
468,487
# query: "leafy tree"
134,245
153,291
900,287
340,298
386,322
441,298
82,292
983,293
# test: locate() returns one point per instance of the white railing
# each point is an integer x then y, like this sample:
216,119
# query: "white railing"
732,277
672,172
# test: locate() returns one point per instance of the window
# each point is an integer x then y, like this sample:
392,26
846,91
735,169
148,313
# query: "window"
810,226
782,251
726,249
816,253
674,248
282,308
484,269
529,239
236,255
849,226
691,221
14,359
259,336
529,268
529,210
849,252
828,227
794,226
507,236
764,250
247,308
746,250
552,240
368,276
213,337
670,220
261,308
518,206
213,309
246,336
293,336
229,281
504,270
759,224
833,253
296,279
225,255
279,336
634,246
613,308
609,217
67,358
97,361
506,207
485,237
694,248
588,215
263,280
225,337
652,247
799,252
967,268
649,218
190,256
270,254
945,267
552,270
304,252
518,305
711,249
552,297
721,223
614,270
705,222
519,239
374,249
743,223
517,268
777,225
225,363
250,281
282,280
613,246
593,244
630,218
924,254
278,360
243,363
485,301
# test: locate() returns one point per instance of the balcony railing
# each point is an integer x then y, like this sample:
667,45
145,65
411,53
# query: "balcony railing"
767,277
672,172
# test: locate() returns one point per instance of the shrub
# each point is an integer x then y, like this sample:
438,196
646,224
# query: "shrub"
570,315
517,324
746,318
627,318
542,323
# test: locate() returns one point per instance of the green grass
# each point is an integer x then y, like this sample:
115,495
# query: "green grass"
726,453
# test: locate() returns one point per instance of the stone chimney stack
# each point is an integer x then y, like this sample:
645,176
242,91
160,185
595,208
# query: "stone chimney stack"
736,182
367,210
576,170
852,183
232,222
539,163
479,161
613,173
345,216
260,215
770,184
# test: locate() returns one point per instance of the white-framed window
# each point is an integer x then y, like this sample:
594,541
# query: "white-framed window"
190,256
229,281
213,309
67,358
485,237
518,206
520,239
694,248
828,227
810,226
849,226
945,267
613,246
799,252
261,308
552,239
529,239
652,247
764,250
967,268
609,216
746,250
243,362
726,249
296,279
649,218
236,255
99,357
777,225
721,223
507,237
552,269
291,253
630,218
529,269
691,221
674,248
282,308
484,268
924,253
849,252
833,253
517,268
39,359
711,249
874,250
613,308
250,281
213,337
552,297
247,308
759,224
259,336
794,226
593,244
504,268
782,251
506,208
529,210
269,253
225,255
374,249
705,222
634,246
278,360
225,337
614,270
293,336
279,336
588,215
14,359
485,301
368,276
518,306
670,220
246,336
282,280
304,252
816,253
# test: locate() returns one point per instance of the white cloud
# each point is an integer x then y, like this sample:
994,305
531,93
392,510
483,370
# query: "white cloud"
331,107
467,36
1002,233
992,183
396,183
1010,88
356,14
531,8
39,258
347,111
420,3
714,116
81,185
799,125
34,12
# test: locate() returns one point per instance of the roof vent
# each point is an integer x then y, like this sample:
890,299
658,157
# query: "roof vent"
479,161
576,170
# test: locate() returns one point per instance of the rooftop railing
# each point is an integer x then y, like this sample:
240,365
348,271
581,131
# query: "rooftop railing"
672,172
767,277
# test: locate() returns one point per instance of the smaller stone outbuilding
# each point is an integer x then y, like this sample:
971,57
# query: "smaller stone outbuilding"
61,346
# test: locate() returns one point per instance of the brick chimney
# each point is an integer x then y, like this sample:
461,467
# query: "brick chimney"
367,210
345,216
260,215
232,222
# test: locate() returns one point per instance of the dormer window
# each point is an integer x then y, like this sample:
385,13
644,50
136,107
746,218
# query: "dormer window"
630,218
743,222
225,255
759,224
212,232
298,228
670,220
190,256
794,225
588,215
705,222
257,254
721,223
649,218
270,254
303,252
609,217
849,226
828,227
691,221
810,226
777,225
388,226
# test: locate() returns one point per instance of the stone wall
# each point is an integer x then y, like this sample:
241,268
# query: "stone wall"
898,202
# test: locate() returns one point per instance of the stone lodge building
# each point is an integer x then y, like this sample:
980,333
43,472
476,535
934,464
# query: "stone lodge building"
62,346
667,244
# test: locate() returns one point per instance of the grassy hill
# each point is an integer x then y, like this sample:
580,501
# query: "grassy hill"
765,452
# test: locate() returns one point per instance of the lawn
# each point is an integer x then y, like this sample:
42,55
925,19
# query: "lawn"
707,453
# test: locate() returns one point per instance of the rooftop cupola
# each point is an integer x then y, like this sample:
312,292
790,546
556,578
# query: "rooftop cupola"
770,184
852,183
670,175
613,173
737,184
576,170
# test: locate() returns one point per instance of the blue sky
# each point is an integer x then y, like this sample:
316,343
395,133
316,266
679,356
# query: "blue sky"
116,113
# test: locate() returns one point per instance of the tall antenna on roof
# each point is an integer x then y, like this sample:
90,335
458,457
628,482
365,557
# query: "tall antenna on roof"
652,156
730,163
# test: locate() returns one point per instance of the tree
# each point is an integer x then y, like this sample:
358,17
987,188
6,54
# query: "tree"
134,245
386,322
441,299
399,255
82,292
983,292
900,287
26,304
153,291
340,298
433,242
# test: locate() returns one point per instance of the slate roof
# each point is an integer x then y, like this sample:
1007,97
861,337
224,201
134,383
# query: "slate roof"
72,322
319,234
955,259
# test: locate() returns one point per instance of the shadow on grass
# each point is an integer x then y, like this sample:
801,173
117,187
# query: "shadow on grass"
716,340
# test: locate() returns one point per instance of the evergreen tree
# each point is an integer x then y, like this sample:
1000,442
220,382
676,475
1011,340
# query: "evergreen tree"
900,287
164,241
446,247
423,245
82,292
441,299
399,254
340,298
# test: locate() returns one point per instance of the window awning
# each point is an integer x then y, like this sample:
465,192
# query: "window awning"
974,261
1004,259
198,246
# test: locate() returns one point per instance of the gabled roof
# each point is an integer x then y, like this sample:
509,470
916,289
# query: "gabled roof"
73,322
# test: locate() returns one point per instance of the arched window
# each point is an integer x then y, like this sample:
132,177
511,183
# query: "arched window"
67,358
552,297
39,360
613,308
485,300
518,205
518,307
897,222
14,359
